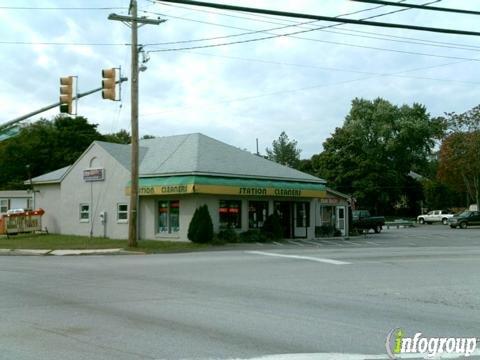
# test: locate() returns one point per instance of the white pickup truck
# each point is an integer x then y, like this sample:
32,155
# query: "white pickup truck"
435,216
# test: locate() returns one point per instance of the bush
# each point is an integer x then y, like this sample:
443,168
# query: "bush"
200,229
251,236
227,236
272,228
324,230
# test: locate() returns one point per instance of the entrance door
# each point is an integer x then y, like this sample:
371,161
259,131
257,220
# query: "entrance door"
341,219
285,213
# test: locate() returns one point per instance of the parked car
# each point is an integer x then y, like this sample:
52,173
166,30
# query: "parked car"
363,221
435,216
465,219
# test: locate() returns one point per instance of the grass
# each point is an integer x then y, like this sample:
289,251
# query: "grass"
68,242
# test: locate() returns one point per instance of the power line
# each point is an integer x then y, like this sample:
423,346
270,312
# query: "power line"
251,32
60,8
341,70
325,18
60,43
317,40
289,91
422,7
414,39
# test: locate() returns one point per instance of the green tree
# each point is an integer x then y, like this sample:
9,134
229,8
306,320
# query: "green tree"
284,151
120,137
42,147
371,155
459,162
200,229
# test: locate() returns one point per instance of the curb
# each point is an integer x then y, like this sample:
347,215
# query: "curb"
73,252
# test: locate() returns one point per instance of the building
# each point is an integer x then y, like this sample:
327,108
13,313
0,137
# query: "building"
177,175
16,199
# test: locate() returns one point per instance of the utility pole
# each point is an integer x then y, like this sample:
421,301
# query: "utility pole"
133,20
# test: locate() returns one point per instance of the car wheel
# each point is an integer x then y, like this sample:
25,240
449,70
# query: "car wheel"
421,221
377,229
445,221
463,225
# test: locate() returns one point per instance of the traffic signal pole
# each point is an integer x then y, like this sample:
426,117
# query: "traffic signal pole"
133,20
49,107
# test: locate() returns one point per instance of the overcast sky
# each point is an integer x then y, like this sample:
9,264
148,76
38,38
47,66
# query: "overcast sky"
302,84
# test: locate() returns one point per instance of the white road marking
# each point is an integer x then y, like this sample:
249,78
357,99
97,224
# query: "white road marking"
323,260
276,243
341,356
351,242
310,242
372,243
295,243
331,242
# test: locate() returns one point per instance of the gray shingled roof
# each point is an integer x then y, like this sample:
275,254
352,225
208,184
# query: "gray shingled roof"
202,155
51,177
121,152
194,154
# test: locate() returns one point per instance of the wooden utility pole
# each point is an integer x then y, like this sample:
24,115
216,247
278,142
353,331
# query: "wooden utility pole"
133,20
132,220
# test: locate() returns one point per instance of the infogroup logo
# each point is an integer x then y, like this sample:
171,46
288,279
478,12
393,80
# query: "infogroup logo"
397,343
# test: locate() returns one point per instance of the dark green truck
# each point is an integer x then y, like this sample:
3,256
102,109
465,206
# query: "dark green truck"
362,220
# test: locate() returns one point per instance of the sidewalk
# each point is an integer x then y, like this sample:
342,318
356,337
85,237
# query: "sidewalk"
68,252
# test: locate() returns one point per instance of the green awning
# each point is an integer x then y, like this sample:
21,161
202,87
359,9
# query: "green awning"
228,186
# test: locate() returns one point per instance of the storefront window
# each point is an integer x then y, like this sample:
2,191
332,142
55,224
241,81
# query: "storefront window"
302,214
230,214
168,216
257,213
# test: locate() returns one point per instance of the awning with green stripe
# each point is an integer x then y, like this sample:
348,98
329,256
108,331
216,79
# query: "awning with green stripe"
227,186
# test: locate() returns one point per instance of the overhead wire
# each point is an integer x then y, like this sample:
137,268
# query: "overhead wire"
276,22
313,87
294,33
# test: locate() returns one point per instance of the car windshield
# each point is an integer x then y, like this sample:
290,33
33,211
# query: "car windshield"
465,213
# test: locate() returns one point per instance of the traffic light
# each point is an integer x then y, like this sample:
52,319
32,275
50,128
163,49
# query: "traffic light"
109,84
66,94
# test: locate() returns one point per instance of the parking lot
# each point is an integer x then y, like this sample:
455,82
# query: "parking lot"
420,236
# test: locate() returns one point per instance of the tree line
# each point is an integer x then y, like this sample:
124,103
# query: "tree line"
396,160
48,145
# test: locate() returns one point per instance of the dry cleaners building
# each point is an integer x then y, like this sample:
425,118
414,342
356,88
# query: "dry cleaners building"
177,175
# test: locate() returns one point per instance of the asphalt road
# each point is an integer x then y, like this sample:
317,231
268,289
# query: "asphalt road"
324,299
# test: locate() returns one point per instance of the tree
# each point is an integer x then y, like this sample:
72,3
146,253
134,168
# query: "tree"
371,155
44,146
200,229
120,137
284,151
459,160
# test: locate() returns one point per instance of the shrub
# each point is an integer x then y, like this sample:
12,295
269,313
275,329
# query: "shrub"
200,229
272,227
251,236
227,236
324,230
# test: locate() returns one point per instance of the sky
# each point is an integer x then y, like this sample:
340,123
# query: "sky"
300,83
